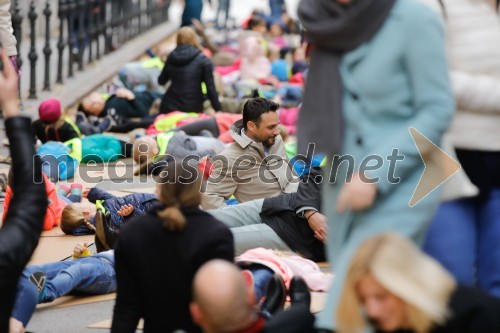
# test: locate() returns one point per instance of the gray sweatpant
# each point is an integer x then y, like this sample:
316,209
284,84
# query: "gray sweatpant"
247,227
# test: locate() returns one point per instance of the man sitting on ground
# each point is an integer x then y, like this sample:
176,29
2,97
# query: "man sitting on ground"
255,166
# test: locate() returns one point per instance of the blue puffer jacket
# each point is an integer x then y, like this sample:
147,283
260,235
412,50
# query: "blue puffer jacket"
111,204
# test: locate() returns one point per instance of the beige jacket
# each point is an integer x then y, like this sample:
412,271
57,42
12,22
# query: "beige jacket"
7,38
244,171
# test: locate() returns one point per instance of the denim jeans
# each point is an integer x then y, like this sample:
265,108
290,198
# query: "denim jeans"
261,276
464,237
89,275
276,9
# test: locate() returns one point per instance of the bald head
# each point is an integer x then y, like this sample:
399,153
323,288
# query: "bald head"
221,298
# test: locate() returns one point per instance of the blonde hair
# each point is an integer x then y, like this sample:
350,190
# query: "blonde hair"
55,126
143,154
179,187
72,217
187,36
401,268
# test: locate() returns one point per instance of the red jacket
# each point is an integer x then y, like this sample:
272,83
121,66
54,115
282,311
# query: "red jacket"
54,208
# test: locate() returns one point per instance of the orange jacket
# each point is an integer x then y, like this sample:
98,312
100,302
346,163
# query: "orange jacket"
54,207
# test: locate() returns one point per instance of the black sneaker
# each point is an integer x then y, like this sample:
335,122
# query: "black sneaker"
39,279
106,124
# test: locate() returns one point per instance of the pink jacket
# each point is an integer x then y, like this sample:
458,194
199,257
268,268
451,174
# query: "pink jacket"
287,265
254,64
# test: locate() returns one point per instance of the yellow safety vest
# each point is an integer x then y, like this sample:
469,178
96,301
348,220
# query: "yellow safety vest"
162,139
75,146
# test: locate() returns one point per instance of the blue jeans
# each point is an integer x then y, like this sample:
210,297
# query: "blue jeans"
464,237
261,276
276,9
89,275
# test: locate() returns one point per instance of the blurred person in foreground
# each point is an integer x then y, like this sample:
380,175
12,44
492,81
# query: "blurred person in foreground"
394,287
24,221
348,110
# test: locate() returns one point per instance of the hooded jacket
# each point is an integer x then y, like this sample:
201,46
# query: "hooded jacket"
187,68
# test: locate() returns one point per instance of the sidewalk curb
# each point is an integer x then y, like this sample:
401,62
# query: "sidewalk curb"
84,82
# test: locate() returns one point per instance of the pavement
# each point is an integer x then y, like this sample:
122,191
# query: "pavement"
77,318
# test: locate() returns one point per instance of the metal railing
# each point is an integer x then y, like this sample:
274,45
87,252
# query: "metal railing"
86,30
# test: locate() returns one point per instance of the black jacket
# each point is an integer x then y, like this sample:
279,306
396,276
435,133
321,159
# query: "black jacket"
279,213
155,269
24,221
62,134
472,311
187,68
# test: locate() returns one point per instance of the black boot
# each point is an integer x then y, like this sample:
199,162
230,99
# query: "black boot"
100,236
110,233
275,296
299,292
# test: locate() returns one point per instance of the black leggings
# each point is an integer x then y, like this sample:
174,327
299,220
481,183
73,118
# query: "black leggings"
130,125
126,148
196,127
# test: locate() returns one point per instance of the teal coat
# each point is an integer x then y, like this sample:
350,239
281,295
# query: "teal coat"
397,80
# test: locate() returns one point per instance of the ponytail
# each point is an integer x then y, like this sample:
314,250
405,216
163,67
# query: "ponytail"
173,219
72,218
179,188
89,225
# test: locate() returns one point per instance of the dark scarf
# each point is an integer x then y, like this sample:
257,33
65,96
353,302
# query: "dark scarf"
334,30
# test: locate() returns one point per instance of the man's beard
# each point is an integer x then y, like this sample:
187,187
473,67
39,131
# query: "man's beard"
269,144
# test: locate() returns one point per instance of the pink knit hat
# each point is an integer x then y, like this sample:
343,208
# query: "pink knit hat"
49,110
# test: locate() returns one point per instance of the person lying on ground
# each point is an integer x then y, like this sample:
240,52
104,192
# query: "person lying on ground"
223,301
255,166
262,264
52,125
125,103
288,222
142,74
58,198
151,152
23,224
87,274
80,218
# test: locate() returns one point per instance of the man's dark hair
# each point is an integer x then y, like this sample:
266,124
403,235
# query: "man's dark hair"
255,107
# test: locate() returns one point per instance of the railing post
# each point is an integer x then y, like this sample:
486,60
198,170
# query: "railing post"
61,44
32,54
92,30
101,26
47,51
71,35
81,32
109,27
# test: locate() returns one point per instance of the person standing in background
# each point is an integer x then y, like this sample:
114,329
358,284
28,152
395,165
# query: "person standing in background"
7,38
471,252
